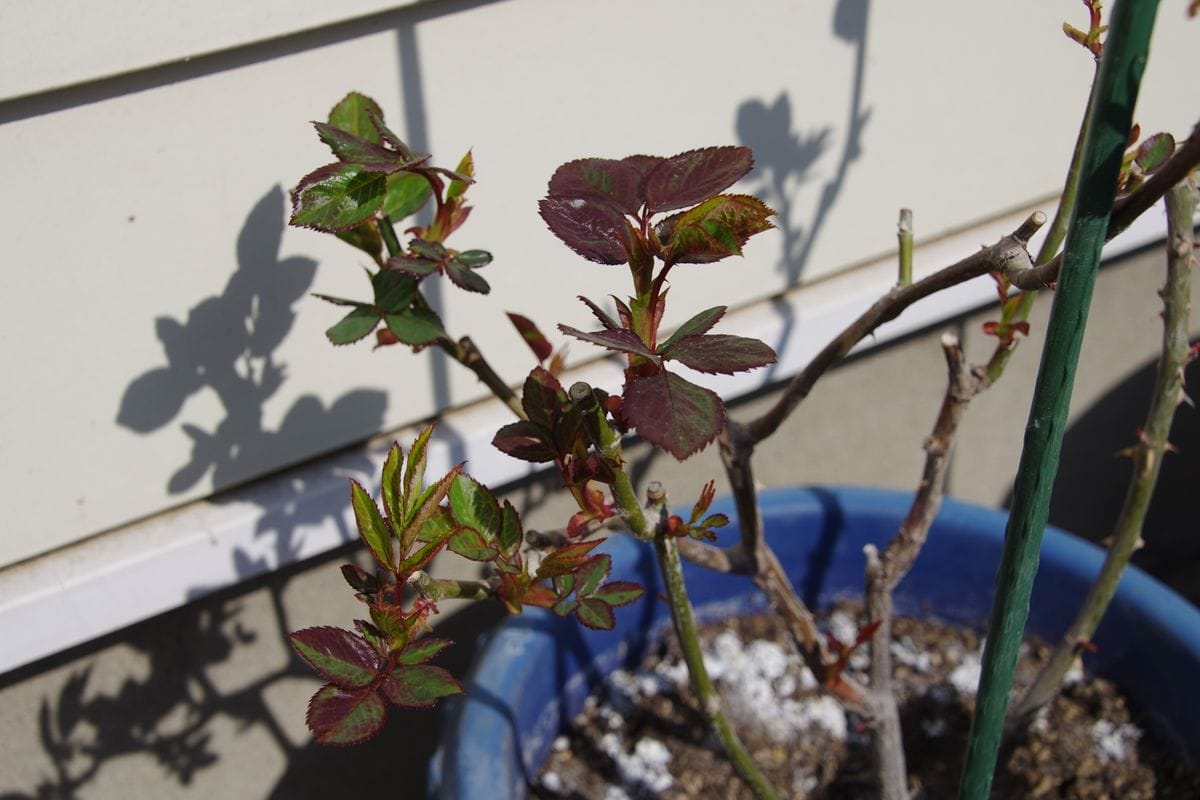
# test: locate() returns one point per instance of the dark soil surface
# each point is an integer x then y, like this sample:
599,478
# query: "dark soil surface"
648,739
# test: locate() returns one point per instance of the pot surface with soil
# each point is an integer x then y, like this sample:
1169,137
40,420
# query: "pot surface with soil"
538,669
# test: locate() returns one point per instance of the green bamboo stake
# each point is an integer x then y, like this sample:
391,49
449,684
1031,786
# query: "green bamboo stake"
1109,122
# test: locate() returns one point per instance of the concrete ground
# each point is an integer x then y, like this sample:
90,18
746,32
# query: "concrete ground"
208,701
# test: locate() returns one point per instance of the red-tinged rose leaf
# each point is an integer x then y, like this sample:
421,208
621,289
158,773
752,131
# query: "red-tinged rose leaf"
595,614
617,182
340,717
542,398
393,624
412,265
721,354
421,650
353,115
414,470
386,136
357,150
714,521
688,178
533,337
621,340
337,197
420,685
590,227
538,595
466,278
565,606
339,655
462,177
432,537
392,487
1155,151
591,573
421,509
598,313
359,579
713,230
566,559
353,327
511,534
470,544
701,323
375,533
365,237
619,593
475,506
525,440
672,413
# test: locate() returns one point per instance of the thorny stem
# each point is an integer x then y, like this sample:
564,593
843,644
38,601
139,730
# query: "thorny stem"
1147,453
1126,209
464,351
754,557
444,588
608,443
689,643
1050,245
884,572
387,230
1008,253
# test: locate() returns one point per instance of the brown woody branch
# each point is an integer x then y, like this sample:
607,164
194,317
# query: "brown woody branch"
1125,210
884,572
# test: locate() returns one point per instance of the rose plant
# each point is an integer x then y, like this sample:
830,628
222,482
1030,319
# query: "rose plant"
653,214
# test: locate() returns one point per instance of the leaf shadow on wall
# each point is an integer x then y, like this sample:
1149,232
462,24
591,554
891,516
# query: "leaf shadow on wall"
226,346
785,157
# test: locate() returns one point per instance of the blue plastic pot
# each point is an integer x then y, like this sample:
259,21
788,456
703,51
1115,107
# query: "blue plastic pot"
537,669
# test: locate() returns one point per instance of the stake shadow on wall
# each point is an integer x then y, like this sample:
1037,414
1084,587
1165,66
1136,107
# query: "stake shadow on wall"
785,157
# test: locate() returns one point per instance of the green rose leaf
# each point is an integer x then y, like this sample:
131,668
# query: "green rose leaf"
371,527
337,197
406,194
353,115
416,326
619,593
354,326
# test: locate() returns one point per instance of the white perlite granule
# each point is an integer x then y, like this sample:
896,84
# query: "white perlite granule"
1112,742
965,677
645,767
757,682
